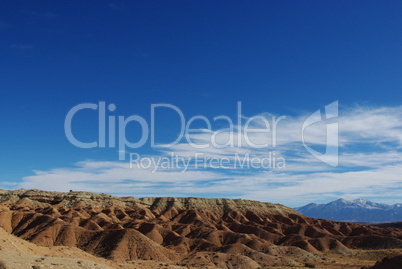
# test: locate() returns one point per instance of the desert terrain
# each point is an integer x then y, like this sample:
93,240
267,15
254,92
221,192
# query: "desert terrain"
41,229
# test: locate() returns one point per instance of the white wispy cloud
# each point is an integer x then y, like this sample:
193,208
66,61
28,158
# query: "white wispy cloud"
21,46
46,14
370,165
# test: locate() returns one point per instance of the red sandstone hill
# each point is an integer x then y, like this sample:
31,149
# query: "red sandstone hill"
219,233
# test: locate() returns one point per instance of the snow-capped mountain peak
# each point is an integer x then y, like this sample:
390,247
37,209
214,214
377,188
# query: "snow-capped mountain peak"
359,210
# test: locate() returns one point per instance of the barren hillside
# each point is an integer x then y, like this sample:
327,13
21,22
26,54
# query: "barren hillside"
194,232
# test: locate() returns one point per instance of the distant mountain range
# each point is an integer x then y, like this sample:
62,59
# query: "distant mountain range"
361,211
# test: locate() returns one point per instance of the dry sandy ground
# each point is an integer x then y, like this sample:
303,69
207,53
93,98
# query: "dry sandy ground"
16,253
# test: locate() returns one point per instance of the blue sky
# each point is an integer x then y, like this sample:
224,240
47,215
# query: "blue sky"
287,58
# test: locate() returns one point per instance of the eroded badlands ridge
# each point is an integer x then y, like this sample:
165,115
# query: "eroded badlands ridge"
185,231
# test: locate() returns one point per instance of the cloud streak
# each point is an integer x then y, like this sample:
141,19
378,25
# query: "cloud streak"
370,165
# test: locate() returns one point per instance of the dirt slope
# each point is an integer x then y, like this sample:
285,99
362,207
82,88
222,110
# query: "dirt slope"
196,232
18,253
389,263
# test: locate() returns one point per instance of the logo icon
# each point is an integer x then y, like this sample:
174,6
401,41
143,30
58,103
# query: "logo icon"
330,156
